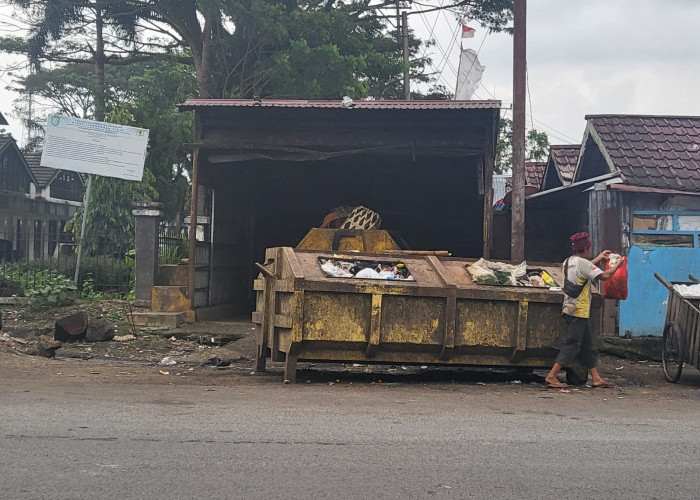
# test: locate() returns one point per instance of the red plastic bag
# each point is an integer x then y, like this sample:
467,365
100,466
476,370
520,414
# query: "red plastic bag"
616,287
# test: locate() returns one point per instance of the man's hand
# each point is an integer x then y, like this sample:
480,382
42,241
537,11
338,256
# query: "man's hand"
604,255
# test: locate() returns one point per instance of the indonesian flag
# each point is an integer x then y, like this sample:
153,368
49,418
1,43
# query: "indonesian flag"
467,32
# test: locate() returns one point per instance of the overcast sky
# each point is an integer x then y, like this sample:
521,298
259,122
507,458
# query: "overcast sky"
592,57
597,56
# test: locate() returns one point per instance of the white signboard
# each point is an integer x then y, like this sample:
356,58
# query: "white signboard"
94,147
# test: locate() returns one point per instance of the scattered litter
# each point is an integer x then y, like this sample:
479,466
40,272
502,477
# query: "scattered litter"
446,487
190,369
565,391
330,383
424,367
481,383
124,338
168,361
164,372
619,367
59,373
216,363
285,381
642,361
356,365
516,382
173,338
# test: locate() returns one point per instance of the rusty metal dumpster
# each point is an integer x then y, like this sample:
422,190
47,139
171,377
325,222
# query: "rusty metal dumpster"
440,317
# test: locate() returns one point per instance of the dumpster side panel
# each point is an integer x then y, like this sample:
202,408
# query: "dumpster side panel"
485,323
412,320
339,317
545,326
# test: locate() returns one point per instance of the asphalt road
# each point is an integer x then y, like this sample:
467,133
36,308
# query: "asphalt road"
71,439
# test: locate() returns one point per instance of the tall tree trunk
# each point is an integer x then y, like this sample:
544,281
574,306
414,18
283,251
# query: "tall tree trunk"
99,57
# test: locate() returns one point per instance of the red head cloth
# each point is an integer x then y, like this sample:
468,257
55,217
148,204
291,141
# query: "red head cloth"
580,242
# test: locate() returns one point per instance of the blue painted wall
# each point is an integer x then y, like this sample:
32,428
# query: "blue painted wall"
644,313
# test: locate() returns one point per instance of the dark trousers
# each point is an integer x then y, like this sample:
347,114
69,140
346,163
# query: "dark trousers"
578,343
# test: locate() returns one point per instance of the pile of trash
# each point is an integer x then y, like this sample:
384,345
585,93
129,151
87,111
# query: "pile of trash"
485,272
365,269
688,291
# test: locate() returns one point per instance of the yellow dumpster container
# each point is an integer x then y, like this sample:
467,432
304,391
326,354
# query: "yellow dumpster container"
438,317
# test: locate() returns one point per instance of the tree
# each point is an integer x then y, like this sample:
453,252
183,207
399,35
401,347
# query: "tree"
536,146
54,19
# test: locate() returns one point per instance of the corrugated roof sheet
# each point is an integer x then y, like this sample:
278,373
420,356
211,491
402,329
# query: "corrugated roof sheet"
534,173
565,159
501,185
653,151
42,174
191,104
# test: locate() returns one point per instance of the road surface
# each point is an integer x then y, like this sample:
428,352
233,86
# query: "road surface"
66,435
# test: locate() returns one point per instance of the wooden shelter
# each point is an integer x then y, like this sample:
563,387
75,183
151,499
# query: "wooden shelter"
267,171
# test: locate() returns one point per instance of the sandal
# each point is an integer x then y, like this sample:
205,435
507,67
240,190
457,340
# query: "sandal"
603,385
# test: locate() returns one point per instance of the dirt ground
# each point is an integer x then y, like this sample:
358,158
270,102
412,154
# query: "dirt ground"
212,353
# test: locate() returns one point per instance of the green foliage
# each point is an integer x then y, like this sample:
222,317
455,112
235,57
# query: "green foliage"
43,287
51,288
536,146
87,290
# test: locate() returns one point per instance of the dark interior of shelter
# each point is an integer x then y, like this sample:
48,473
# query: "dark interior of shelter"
275,171
427,204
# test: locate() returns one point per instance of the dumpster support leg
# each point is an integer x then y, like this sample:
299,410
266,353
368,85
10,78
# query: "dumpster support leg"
290,366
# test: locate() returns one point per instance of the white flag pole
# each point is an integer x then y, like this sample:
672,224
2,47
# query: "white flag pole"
86,204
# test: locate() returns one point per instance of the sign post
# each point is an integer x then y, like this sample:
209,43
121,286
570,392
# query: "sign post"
93,148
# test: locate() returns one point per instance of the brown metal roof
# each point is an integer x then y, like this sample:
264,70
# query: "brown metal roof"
42,174
652,151
565,158
534,173
192,104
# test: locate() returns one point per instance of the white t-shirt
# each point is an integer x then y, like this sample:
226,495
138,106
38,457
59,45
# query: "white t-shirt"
579,270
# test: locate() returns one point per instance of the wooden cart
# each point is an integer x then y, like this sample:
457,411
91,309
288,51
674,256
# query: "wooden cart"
681,336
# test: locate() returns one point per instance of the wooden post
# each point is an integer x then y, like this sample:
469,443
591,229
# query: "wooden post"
192,262
517,241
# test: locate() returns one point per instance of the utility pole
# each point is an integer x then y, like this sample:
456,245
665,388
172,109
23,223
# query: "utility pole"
406,77
517,227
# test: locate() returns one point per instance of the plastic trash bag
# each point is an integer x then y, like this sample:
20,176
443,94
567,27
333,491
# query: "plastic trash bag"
616,287
485,272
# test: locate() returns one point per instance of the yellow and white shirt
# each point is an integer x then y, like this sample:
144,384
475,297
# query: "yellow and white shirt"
579,270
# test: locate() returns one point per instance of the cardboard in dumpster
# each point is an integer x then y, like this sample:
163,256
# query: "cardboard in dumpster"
341,267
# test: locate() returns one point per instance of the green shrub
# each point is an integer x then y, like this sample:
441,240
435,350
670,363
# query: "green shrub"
51,288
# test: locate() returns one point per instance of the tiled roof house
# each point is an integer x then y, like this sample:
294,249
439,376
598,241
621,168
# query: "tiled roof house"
648,152
561,165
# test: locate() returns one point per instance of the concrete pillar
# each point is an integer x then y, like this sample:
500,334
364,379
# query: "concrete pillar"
148,217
